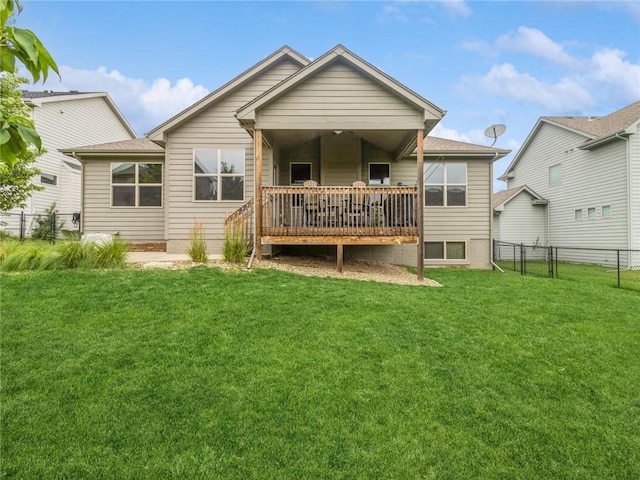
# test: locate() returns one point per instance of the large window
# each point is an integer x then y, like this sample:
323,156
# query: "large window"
379,174
218,174
445,184
136,184
555,174
445,250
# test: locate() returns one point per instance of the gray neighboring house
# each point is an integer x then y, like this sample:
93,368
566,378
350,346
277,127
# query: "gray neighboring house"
584,174
61,119
244,155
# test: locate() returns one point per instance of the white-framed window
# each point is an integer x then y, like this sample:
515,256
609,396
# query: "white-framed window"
445,184
591,212
299,172
577,215
136,184
555,174
379,174
445,250
218,174
606,211
48,179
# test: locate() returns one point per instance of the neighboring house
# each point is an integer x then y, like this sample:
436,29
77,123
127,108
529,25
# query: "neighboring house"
246,151
61,119
587,170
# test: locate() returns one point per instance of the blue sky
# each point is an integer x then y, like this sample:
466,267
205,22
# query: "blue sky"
484,62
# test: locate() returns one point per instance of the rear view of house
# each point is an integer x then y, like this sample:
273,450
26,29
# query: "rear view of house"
325,152
62,119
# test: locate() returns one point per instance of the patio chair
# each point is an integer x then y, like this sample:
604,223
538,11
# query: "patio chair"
311,203
357,207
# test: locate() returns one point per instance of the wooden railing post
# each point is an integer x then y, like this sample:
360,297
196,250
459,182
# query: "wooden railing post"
257,149
420,203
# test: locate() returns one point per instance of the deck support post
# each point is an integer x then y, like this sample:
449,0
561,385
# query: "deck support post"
340,256
257,150
420,203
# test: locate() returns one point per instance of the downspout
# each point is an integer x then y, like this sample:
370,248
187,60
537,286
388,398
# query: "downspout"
495,156
629,201
74,155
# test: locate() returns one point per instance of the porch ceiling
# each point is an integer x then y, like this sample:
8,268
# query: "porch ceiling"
389,140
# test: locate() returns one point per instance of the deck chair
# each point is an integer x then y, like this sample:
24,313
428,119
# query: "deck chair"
311,203
357,208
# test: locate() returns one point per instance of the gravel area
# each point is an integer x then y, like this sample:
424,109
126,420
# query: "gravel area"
308,266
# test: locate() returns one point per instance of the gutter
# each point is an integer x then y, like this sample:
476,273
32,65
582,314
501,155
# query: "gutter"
599,141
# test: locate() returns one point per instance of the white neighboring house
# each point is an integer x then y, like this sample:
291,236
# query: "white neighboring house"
587,171
61,119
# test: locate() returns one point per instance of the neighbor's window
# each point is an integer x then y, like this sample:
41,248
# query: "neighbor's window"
48,179
300,173
379,174
555,174
445,184
591,212
136,184
218,174
445,250
606,210
578,214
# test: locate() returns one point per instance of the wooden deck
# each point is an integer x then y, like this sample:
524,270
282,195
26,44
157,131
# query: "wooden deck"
338,215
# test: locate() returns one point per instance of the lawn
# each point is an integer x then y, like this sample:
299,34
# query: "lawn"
203,373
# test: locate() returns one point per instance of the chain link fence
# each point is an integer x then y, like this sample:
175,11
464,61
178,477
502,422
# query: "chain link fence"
617,267
49,226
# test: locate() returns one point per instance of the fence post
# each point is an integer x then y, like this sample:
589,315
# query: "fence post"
618,262
551,262
556,269
52,227
514,257
523,264
22,220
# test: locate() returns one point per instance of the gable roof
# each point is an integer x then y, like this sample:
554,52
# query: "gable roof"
284,52
502,197
596,130
37,98
444,146
247,112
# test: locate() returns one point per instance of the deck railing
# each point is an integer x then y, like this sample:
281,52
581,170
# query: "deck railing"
339,211
241,222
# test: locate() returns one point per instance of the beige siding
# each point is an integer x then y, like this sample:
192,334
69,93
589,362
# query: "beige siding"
341,97
132,224
308,152
634,150
215,127
522,222
340,163
590,179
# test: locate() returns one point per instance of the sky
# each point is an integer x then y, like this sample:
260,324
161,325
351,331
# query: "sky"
484,62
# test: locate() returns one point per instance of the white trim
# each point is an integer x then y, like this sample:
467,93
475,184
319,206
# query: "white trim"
369,172
446,184
136,185
219,176
301,163
444,251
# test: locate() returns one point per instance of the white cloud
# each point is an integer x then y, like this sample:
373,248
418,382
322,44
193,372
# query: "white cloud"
472,136
392,13
610,71
144,105
535,42
458,7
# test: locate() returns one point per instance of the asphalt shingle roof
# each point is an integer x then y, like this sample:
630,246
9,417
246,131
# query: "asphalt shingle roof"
602,126
49,93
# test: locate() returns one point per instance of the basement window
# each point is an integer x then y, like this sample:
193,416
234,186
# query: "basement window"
48,179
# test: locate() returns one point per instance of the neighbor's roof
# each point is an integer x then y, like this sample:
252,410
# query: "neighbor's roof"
50,93
135,146
596,130
503,196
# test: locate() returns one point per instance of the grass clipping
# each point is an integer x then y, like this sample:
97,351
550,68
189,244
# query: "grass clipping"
197,250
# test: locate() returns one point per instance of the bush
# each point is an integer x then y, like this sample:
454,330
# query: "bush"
198,245
42,230
234,249
111,254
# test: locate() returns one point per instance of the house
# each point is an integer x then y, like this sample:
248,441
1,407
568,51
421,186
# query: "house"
325,152
575,182
61,119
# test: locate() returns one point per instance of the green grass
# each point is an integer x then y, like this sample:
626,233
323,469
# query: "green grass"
201,373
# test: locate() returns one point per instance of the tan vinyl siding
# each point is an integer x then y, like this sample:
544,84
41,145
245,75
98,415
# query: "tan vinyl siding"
132,224
215,127
634,150
590,178
340,163
522,222
341,97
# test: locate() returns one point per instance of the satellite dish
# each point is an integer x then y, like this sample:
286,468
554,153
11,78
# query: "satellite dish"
494,131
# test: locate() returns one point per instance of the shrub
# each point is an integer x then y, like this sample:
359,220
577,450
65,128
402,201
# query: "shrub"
42,230
111,254
198,245
234,249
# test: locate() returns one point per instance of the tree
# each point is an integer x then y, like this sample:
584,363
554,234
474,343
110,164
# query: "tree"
16,184
17,132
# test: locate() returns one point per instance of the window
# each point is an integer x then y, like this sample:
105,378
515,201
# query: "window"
555,174
48,179
218,174
379,174
445,250
445,184
591,212
136,184
300,173
606,210
578,214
